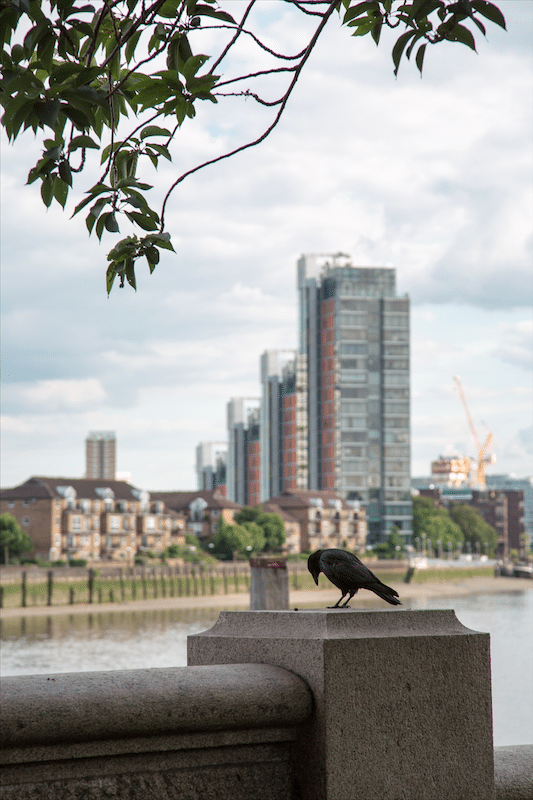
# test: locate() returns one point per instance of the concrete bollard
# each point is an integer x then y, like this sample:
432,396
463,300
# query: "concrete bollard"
269,584
402,699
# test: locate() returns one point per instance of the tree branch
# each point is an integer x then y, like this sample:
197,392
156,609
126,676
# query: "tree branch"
309,49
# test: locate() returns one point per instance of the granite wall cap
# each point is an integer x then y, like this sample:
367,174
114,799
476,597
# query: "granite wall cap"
47,709
329,623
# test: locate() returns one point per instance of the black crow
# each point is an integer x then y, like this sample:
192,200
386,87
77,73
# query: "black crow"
349,574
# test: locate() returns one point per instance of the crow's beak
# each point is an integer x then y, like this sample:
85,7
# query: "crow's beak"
315,577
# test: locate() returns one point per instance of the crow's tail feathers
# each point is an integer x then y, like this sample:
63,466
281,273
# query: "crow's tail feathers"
386,593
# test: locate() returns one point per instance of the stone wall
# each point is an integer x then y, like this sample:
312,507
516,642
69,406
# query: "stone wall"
275,705
167,734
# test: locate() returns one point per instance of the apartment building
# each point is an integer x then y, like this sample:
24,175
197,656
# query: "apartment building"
94,519
324,519
202,509
354,332
211,462
283,422
243,474
101,455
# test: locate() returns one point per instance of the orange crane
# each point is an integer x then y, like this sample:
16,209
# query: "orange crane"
482,457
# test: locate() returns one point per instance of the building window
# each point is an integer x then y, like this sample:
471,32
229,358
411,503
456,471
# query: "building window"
150,523
25,503
25,520
11,504
76,523
114,523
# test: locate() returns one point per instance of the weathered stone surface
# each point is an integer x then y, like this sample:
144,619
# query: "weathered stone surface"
215,733
513,772
402,699
43,709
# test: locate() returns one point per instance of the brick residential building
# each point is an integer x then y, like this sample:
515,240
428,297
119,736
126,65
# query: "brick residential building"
325,519
201,509
90,519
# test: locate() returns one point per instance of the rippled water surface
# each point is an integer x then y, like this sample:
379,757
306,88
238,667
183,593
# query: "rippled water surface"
158,638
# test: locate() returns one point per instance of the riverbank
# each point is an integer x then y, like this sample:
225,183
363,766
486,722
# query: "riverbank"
317,598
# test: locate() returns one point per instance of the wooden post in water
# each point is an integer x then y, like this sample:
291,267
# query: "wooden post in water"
155,581
122,585
50,587
235,578
24,587
172,584
163,581
133,584
71,596
212,581
143,581
90,583
225,577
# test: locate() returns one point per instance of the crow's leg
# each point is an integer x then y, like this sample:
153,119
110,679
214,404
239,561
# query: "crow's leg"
345,604
343,595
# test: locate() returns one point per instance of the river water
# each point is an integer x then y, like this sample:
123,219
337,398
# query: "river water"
158,638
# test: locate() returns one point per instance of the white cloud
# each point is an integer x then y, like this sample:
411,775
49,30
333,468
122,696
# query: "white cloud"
55,395
516,344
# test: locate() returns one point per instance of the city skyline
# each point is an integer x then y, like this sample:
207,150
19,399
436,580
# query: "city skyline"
432,177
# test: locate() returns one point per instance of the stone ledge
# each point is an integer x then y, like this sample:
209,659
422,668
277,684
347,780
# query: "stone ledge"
513,772
80,707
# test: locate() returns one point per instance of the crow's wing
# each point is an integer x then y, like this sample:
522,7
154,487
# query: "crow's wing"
346,570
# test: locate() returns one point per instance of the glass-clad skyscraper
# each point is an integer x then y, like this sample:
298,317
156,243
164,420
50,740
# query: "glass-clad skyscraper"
354,332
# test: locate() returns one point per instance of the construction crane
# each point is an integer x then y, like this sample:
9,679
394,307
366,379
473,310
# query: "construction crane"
482,457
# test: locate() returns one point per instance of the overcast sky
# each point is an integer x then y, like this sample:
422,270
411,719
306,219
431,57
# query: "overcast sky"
431,176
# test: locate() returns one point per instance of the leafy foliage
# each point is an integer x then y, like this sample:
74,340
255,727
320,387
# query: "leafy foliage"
271,525
388,549
437,525
475,530
13,537
118,78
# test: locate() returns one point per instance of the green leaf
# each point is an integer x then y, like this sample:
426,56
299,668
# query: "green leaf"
363,27
60,192
83,141
173,53
152,256
169,9
490,12
100,227
208,11
110,278
110,222
461,34
130,273
420,53
376,30
47,111
153,130
144,221
399,47
47,190
358,11
131,45
162,150
65,173
77,117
